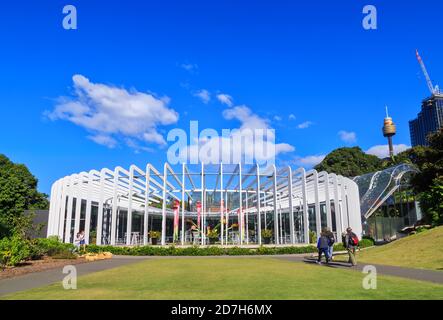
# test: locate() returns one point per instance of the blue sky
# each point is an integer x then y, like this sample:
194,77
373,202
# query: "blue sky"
312,60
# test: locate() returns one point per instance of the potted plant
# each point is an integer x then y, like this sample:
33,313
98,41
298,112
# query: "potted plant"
312,237
93,237
212,235
154,235
266,235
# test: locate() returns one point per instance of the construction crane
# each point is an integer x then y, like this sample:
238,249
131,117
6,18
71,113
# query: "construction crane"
434,90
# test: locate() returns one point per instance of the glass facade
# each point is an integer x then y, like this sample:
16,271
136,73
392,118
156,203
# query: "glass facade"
399,211
201,205
429,120
387,202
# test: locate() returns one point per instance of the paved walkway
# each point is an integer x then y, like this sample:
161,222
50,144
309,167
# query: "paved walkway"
44,278
409,273
39,279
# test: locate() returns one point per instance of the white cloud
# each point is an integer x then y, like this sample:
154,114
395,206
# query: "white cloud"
204,95
189,67
292,117
225,99
242,143
104,140
278,118
309,161
382,151
348,137
248,119
305,125
109,112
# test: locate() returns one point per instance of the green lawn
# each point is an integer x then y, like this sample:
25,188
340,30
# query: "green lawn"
232,278
422,251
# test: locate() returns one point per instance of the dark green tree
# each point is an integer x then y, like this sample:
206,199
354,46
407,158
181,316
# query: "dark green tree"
431,202
350,162
18,192
428,183
429,160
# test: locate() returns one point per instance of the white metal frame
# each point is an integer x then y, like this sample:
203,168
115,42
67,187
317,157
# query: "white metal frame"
285,193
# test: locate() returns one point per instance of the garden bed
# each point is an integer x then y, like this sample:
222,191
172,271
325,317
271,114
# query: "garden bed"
32,266
212,250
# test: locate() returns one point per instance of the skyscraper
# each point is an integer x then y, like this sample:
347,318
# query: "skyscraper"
429,120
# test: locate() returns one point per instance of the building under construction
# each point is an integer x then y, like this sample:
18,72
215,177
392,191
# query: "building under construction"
430,118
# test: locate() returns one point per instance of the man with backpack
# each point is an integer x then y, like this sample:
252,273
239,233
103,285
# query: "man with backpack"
323,246
350,241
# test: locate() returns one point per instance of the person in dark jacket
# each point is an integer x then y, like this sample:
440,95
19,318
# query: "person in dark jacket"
331,238
323,247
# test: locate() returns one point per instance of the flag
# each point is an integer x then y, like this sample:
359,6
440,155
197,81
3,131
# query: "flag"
199,207
176,219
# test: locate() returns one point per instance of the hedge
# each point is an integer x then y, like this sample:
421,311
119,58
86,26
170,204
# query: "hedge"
211,250
13,251
16,250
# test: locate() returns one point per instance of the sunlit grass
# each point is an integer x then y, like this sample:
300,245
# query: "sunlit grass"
232,278
422,251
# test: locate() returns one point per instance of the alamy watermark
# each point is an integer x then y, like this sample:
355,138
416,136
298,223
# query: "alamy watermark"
370,19
70,280
70,19
233,146
370,281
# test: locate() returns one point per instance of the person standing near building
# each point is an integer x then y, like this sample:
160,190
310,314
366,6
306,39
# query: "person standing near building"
323,247
80,241
331,238
350,242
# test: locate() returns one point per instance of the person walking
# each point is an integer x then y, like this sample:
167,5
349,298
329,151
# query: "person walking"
350,241
323,246
331,238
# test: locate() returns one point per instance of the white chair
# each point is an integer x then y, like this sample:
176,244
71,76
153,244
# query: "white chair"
135,238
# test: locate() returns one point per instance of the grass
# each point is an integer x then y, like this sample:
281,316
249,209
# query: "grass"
232,278
422,251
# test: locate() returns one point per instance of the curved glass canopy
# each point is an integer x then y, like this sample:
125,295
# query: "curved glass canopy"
375,188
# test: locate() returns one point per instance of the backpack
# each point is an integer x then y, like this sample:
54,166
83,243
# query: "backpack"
331,240
353,240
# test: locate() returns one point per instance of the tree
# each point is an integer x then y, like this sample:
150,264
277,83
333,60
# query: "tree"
431,202
18,192
429,160
428,184
350,162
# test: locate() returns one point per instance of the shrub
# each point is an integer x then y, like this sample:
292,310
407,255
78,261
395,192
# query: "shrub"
366,243
155,234
213,234
421,229
266,234
210,250
13,251
312,237
93,236
52,246
36,252
369,238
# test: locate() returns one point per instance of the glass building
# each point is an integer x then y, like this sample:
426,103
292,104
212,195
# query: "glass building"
387,201
429,120
202,204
